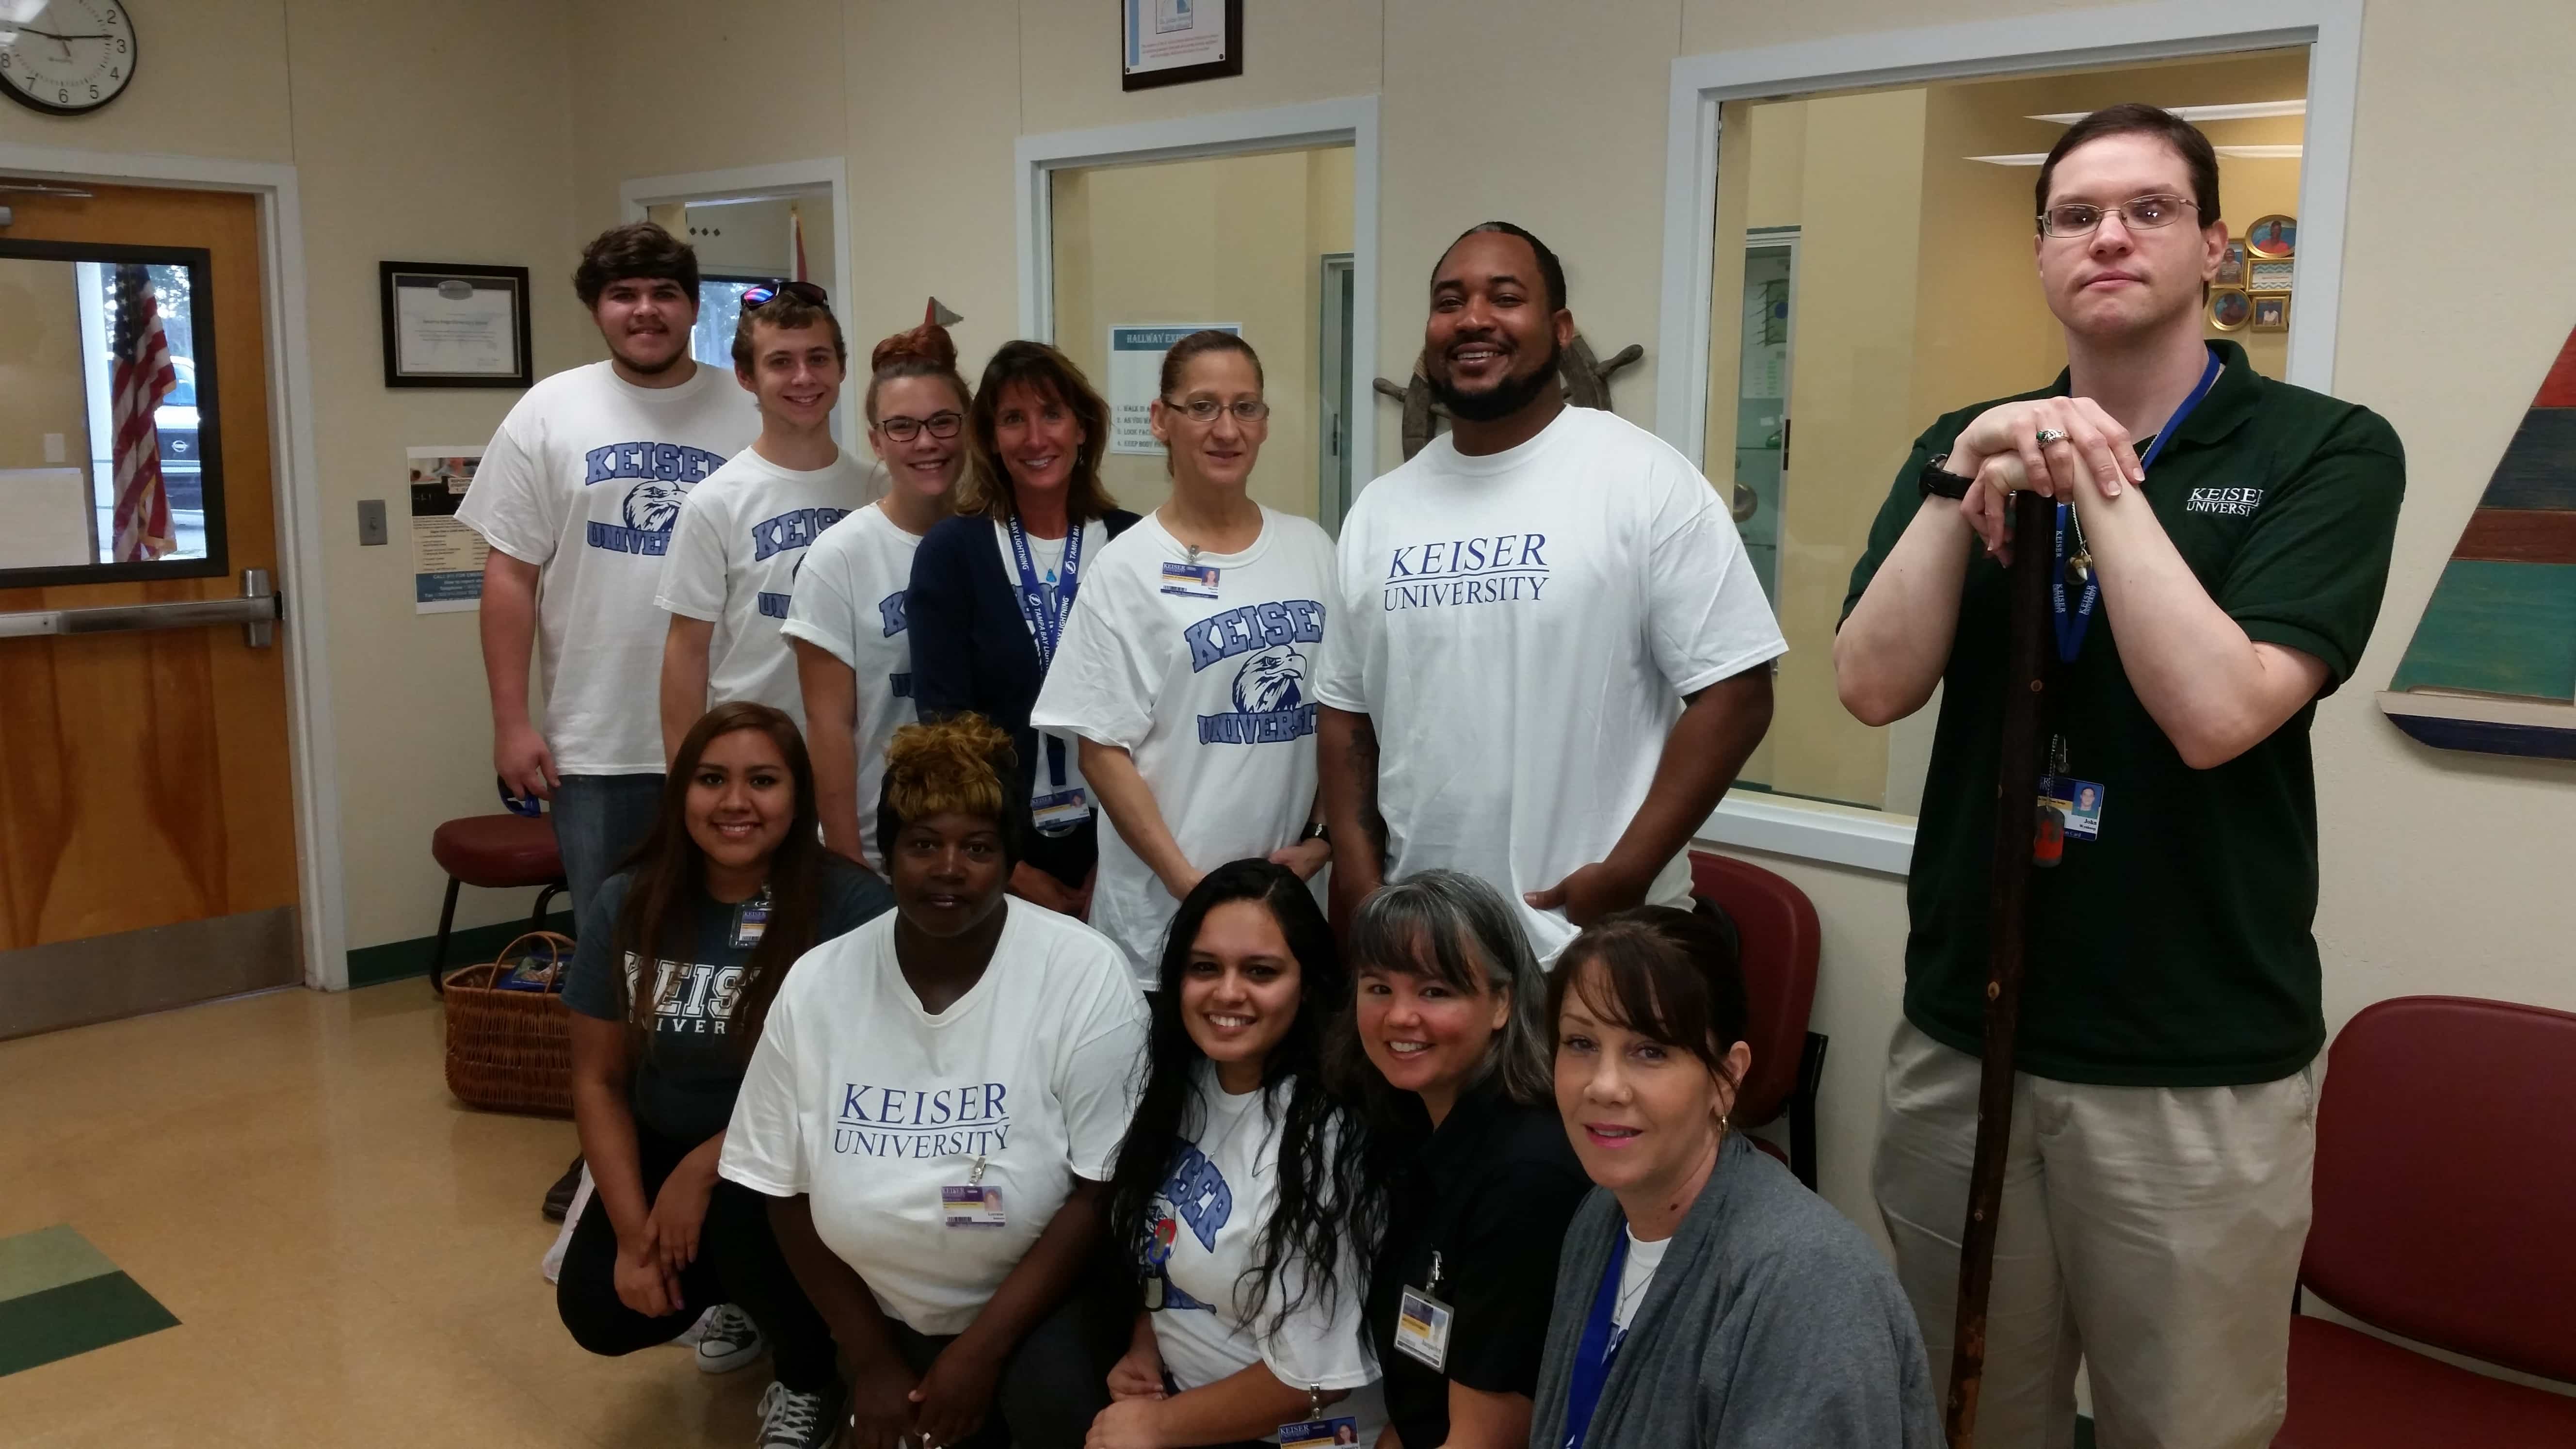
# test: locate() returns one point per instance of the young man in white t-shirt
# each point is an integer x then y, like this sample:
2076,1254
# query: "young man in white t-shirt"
1551,656
742,536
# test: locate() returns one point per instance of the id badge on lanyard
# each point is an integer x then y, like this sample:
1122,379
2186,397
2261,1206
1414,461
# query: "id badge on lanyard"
1422,1323
1596,1351
1316,1431
750,920
972,1203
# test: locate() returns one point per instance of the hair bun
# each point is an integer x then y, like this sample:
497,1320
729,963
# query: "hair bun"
928,342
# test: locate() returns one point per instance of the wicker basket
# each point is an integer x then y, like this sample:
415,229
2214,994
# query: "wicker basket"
511,1050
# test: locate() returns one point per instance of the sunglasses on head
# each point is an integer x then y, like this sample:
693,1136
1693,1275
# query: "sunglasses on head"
768,292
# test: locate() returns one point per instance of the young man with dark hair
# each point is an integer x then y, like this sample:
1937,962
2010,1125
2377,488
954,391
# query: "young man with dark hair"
2220,545
576,496
1551,655
743,533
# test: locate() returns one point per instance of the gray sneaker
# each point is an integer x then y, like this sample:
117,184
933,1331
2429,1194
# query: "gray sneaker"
727,1340
790,1420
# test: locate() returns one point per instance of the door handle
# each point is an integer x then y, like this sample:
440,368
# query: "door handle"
257,611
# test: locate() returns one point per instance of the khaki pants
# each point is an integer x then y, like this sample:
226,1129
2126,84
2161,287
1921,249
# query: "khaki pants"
2152,1234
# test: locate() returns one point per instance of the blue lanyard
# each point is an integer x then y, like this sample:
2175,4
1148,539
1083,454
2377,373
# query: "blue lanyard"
1598,1348
2072,624
1046,615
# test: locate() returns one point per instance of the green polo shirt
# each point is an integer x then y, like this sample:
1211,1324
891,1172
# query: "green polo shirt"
2175,949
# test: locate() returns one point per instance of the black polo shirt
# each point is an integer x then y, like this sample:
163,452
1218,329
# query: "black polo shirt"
1491,1192
2175,949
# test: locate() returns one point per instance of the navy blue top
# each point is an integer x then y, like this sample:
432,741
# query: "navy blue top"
970,643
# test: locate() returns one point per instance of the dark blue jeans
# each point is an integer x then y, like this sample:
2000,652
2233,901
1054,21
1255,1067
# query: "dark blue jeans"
598,819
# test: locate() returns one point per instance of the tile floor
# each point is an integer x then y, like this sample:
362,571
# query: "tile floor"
351,1255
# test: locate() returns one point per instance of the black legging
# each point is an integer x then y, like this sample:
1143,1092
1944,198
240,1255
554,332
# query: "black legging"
738,1262
1053,1384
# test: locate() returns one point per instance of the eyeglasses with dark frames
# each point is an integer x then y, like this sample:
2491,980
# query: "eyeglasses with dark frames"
767,292
941,424
1203,410
2142,213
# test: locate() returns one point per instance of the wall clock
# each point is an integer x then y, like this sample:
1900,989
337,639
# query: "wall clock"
68,57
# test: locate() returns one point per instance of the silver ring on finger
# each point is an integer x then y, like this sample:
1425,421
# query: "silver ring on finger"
2049,435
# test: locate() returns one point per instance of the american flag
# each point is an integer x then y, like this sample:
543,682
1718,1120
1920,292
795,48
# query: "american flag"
143,377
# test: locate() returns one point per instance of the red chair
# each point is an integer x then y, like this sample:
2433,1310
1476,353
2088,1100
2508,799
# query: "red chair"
1780,944
496,852
2446,1213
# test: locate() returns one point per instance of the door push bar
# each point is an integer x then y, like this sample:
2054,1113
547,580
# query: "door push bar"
257,611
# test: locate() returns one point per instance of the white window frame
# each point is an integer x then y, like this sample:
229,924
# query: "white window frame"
1344,121
830,175
2062,40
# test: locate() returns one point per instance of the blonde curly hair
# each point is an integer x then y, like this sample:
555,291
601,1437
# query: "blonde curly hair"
963,763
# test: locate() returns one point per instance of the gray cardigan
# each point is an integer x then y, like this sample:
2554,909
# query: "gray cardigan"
1771,1322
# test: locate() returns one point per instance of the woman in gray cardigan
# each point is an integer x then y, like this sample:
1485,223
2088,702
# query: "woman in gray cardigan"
1704,1297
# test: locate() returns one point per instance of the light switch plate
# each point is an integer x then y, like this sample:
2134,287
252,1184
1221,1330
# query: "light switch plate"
371,522
53,447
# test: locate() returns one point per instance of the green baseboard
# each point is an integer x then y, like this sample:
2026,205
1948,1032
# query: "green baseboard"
394,960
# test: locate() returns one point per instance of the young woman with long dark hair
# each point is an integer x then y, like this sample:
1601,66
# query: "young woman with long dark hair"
992,587
728,889
934,1111
1705,1299
1186,669
1238,1198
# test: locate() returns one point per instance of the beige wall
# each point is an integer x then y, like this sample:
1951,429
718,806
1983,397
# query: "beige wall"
1232,239
2442,872
42,387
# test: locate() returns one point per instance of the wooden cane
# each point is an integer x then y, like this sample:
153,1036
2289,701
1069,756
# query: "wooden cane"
2016,824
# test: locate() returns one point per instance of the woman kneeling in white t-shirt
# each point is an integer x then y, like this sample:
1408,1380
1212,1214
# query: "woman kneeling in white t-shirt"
1236,1194
935,1107
1186,666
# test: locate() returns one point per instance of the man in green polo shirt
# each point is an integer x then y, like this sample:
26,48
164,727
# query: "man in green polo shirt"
2223,542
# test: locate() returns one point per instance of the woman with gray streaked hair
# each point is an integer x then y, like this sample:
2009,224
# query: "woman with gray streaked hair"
1448,1045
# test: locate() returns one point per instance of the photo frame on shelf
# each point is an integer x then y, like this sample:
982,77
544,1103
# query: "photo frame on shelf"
2271,276
2231,267
2271,313
2273,237
2230,309
455,325
1173,42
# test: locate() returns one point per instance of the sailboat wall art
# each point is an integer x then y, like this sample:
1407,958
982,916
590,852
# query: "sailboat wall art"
2492,666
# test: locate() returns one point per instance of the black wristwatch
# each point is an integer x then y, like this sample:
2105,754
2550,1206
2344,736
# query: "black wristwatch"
1939,482
1315,831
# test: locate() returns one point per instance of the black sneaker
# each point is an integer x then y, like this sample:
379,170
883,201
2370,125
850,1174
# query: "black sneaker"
790,1420
559,1196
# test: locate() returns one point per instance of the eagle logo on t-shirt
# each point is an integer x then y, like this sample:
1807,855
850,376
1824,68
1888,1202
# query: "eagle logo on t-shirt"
1270,681
653,505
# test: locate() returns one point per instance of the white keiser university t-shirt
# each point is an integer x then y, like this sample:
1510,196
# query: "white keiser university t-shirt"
849,603
870,1106
1205,1235
1200,670
734,558
1520,628
584,480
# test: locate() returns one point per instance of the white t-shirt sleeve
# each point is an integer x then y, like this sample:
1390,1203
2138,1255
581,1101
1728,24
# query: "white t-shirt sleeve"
1341,680
1107,671
510,501
1097,1076
693,573
1705,613
765,1143
1321,1344
822,611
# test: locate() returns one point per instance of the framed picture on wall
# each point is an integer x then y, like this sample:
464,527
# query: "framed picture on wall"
2231,267
2263,276
2229,309
455,326
2271,314
2273,236
1172,42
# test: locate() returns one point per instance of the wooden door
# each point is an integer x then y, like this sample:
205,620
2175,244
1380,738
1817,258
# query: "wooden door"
147,825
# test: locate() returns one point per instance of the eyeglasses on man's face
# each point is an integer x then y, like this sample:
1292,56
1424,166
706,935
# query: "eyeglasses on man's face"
2141,213
1204,410
941,424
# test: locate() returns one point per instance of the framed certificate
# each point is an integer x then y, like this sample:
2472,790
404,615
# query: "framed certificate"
455,326
1170,42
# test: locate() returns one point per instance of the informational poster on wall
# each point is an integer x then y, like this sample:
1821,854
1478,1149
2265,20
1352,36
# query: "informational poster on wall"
1136,379
446,556
1162,36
